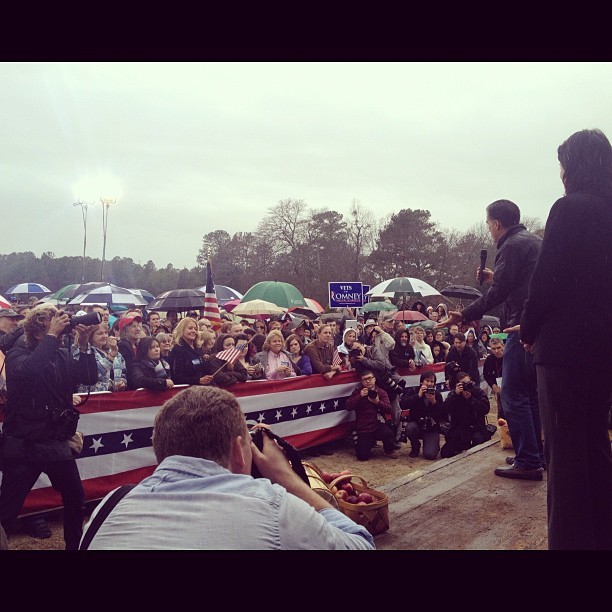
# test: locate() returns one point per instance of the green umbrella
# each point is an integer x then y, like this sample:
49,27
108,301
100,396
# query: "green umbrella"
378,307
60,295
284,295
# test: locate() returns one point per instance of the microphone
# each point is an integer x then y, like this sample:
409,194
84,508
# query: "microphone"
483,263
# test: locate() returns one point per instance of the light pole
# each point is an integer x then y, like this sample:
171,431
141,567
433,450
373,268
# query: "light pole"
84,206
106,202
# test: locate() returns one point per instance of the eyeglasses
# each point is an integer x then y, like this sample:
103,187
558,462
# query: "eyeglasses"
366,378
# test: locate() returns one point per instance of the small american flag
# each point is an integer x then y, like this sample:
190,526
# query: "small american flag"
231,354
336,360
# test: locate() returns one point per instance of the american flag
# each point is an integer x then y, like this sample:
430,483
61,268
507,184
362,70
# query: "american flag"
336,360
231,354
211,306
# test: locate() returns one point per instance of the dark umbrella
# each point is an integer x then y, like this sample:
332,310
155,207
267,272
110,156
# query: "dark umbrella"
180,300
108,294
461,292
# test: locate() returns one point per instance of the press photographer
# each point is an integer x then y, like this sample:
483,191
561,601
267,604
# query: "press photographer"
426,414
40,418
370,402
467,406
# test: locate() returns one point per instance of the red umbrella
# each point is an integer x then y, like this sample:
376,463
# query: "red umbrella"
408,315
4,303
230,305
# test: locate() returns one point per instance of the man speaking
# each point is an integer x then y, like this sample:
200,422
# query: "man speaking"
517,253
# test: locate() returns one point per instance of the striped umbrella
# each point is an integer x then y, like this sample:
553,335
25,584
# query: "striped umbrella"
108,294
27,289
4,303
143,293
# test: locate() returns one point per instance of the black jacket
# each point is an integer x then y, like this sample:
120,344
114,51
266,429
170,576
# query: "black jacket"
420,409
187,365
492,369
468,361
517,253
40,384
465,413
8,339
141,375
575,263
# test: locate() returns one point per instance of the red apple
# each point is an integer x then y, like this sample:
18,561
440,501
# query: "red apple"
326,476
348,487
344,472
342,495
333,476
352,499
362,503
365,497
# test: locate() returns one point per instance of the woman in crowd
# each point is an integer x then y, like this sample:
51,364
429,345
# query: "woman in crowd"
130,331
225,371
171,320
247,357
257,341
402,354
438,351
112,371
422,351
260,327
419,307
187,362
442,311
477,345
484,337
429,336
165,344
275,361
439,337
204,324
296,349
207,341
149,370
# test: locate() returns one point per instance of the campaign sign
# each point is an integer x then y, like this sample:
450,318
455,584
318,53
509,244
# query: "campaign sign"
366,298
345,295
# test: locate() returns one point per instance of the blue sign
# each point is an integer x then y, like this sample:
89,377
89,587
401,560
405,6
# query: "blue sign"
345,295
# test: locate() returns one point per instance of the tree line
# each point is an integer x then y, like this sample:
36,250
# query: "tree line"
292,243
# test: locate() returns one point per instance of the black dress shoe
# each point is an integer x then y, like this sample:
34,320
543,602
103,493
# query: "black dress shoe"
513,471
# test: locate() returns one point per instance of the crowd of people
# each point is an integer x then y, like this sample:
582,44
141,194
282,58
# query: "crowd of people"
48,361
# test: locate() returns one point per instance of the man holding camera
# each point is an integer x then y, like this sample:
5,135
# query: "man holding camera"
467,405
427,414
40,419
369,403
202,494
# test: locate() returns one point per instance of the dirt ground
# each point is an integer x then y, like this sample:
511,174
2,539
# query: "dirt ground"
379,470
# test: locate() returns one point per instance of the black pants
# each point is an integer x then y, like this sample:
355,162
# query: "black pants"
18,478
574,405
431,440
365,441
462,439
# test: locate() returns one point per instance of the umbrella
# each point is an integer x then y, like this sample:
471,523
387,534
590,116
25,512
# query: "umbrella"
107,294
143,293
378,307
403,285
180,300
60,296
284,295
224,294
27,289
71,291
312,311
490,320
229,306
252,308
409,315
461,292
426,324
4,303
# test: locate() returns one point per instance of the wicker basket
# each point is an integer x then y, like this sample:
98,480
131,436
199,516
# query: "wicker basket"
315,479
374,516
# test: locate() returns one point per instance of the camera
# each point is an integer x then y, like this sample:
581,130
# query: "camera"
290,451
91,318
430,391
372,393
469,386
354,353
425,424
394,383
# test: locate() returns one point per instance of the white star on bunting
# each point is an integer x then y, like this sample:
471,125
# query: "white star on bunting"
97,444
127,439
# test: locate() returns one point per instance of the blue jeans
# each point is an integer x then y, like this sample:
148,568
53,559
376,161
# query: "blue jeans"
520,399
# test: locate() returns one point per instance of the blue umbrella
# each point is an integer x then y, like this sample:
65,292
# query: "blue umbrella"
27,289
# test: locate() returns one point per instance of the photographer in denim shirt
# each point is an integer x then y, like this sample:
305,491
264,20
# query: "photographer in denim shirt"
202,494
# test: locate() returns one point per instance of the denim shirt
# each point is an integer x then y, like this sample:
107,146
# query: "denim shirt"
191,503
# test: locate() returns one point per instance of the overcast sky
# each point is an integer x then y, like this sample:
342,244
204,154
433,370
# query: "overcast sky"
189,148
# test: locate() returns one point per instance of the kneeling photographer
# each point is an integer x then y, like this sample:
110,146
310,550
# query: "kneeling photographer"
372,413
40,419
467,406
427,413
